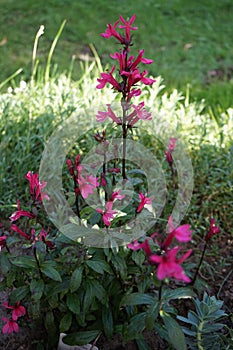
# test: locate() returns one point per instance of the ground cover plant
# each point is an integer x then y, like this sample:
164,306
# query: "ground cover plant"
206,143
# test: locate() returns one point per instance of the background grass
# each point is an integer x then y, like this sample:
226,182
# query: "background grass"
190,41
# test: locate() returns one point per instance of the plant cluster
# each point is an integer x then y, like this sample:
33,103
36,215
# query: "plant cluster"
86,291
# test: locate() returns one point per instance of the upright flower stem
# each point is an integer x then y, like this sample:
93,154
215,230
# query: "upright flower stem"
199,265
38,263
77,202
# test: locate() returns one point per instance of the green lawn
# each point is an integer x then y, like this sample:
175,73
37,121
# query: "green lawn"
188,40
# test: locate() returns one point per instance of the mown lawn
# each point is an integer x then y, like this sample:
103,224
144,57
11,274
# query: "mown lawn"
190,41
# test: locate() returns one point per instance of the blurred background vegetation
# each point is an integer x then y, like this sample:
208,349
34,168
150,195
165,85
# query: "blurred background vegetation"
190,41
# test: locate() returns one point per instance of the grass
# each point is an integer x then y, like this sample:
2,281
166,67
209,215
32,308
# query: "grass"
187,40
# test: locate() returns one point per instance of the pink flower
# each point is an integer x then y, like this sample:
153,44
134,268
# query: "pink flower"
111,31
15,228
10,326
127,25
144,245
114,170
36,187
170,148
103,180
143,201
181,233
121,57
87,185
117,195
139,59
2,242
139,113
169,265
102,116
17,214
18,310
212,231
108,78
108,213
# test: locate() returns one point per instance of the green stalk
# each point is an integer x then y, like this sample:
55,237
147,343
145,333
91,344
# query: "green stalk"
34,63
50,55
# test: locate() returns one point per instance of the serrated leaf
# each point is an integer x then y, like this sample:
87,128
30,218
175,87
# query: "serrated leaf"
73,303
27,262
50,272
76,279
175,333
80,338
107,320
65,322
138,299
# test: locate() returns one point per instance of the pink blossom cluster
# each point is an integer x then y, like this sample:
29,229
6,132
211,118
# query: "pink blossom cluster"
84,184
37,197
11,324
169,265
129,74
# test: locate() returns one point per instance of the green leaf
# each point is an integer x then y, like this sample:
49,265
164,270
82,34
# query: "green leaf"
88,297
65,322
19,294
50,272
73,303
107,319
5,264
136,326
142,344
99,291
76,279
98,266
178,293
80,338
175,333
138,299
27,262
37,288
138,257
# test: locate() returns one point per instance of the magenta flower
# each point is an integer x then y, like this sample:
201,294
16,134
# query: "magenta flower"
102,116
170,148
107,214
10,327
108,78
111,31
170,266
182,233
144,245
143,201
117,195
15,228
139,113
212,231
18,310
36,187
2,242
17,214
127,25
87,185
